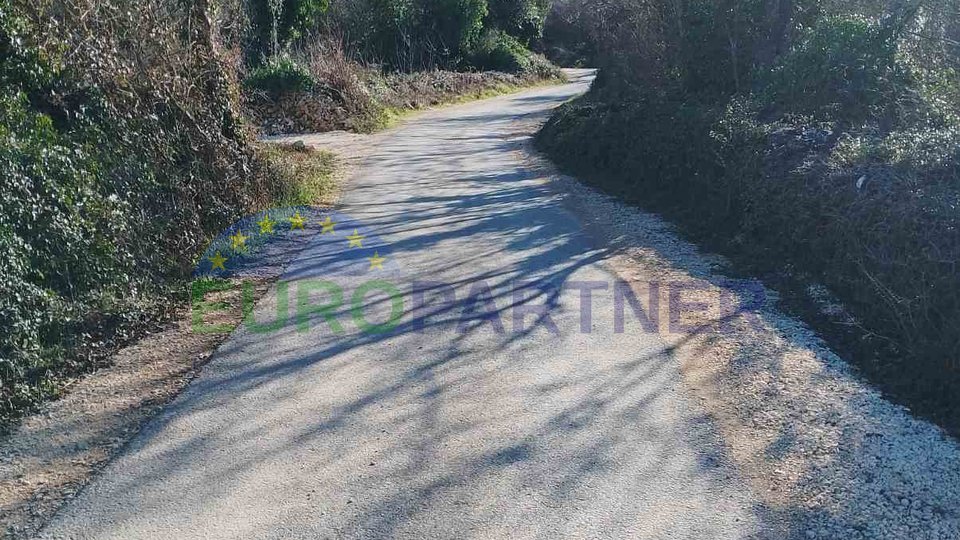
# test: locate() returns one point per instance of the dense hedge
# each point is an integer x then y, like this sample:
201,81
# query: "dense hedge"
842,164
412,35
499,51
120,156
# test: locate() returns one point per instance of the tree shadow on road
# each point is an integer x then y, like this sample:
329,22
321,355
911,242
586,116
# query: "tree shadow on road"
443,424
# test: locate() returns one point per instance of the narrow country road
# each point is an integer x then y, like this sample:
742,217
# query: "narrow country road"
510,399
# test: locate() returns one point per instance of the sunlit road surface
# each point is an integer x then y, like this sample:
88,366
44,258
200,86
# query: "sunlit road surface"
491,409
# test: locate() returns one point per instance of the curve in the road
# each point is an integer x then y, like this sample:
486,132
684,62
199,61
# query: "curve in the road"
499,405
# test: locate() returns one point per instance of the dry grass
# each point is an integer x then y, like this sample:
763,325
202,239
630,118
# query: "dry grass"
306,175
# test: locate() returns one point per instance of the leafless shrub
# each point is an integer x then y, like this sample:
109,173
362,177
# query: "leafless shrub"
328,61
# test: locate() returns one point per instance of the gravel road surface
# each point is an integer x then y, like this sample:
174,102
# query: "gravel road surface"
510,411
458,357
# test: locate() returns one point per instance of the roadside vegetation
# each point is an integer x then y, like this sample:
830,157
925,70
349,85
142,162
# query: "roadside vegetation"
128,141
815,142
369,61
362,98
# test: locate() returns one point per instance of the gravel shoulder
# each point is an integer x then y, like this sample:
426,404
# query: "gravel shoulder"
828,455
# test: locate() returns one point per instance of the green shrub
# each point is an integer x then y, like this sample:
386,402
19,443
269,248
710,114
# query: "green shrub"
540,68
522,19
410,35
455,24
872,216
279,75
114,174
845,68
499,51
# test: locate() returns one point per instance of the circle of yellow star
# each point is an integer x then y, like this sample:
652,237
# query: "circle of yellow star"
297,221
266,225
327,225
217,261
238,241
376,262
355,239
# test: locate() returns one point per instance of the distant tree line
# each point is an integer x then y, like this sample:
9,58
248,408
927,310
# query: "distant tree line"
399,34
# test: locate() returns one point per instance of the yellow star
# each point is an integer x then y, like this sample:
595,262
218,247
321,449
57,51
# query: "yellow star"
218,261
296,222
376,262
327,225
238,241
266,225
356,239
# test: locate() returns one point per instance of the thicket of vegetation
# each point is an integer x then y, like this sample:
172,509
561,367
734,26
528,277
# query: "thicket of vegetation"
814,136
125,147
122,153
353,68
425,34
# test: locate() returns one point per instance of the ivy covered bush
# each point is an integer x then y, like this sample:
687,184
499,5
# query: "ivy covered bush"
120,155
